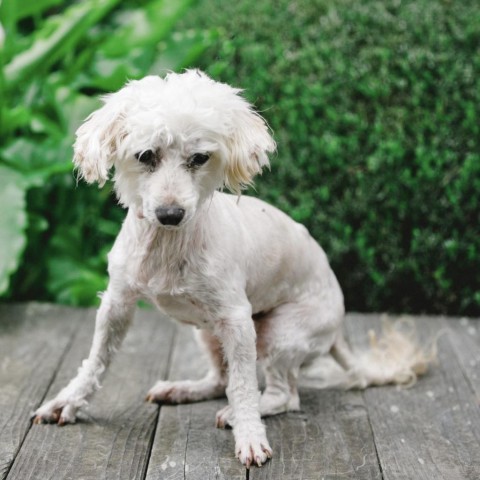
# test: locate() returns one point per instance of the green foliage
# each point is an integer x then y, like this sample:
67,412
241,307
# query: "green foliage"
12,223
375,106
58,56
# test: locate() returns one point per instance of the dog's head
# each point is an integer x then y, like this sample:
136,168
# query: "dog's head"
172,142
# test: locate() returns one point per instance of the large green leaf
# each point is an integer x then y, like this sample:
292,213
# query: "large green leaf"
132,47
143,27
63,33
74,283
38,161
25,9
22,9
13,222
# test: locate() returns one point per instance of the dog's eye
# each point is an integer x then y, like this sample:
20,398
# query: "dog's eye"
198,159
147,157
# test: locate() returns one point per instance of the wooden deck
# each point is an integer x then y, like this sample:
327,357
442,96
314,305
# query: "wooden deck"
431,431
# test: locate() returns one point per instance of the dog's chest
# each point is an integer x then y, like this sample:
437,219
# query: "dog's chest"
180,274
186,309
179,290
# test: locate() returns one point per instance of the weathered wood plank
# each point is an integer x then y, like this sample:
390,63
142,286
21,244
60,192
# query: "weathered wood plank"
33,339
113,436
187,445
330,438
465,339
430,431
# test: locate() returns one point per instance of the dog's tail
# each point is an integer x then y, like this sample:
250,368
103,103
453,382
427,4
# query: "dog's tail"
395,357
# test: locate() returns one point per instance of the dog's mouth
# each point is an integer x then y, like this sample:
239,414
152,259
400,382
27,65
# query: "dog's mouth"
170,227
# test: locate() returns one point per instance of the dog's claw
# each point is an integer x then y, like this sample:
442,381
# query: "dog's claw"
221,423
223,418
256,456
38,420
41,420
267,451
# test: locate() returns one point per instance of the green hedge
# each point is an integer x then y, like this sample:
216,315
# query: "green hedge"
375,107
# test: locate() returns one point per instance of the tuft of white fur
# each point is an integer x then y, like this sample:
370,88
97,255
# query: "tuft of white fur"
395,356
182,107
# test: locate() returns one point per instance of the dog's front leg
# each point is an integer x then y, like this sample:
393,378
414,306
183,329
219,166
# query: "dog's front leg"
237,335
112,321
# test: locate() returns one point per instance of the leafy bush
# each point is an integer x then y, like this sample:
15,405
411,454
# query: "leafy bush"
58,56
375,106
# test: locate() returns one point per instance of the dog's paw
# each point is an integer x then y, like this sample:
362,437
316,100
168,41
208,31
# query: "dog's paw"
170,392
55,411
185,391
224,417
253,450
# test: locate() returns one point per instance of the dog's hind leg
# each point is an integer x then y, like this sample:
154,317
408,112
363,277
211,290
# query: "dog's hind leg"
286,337
342,353
213,385
280,394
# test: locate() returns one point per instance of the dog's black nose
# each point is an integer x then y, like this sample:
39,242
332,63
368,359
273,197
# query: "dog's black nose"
170,215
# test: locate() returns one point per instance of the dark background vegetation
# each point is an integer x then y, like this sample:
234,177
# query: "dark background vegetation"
374,106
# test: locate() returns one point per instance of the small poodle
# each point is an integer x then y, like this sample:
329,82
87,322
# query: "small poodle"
253,281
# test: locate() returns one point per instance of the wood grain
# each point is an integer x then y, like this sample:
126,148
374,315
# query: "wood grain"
330,438
113,436
430,431
465,340
33,339
187,445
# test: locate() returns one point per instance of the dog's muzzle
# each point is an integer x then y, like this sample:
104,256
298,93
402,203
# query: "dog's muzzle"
171,215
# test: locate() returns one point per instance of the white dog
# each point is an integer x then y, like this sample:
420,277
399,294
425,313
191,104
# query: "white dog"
254,281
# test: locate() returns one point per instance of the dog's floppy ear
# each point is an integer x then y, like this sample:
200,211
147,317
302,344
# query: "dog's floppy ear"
98,141
248,146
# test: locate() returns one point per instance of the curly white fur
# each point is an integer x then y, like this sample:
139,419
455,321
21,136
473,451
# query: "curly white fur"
252,279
